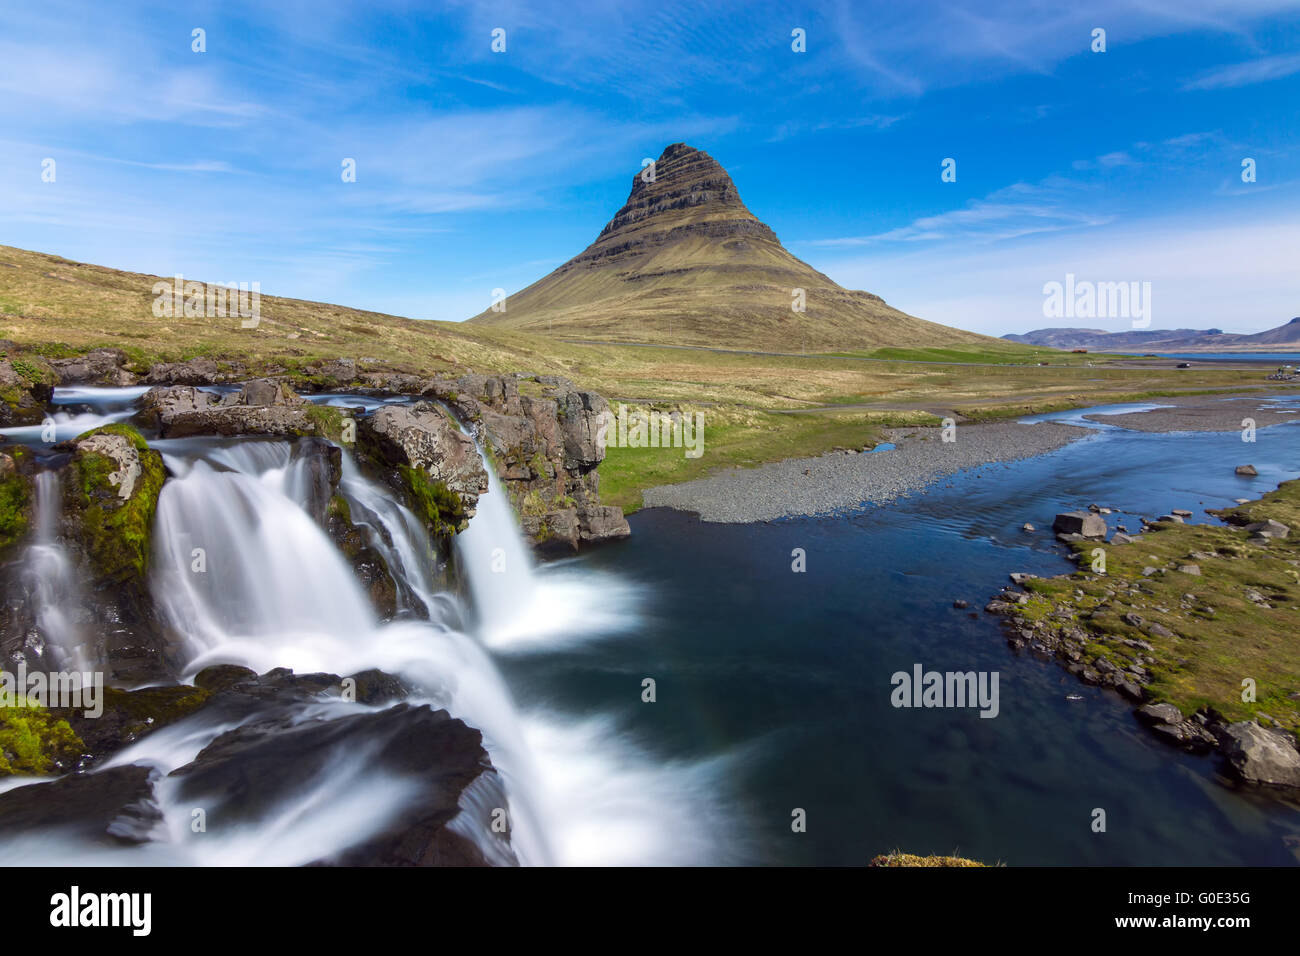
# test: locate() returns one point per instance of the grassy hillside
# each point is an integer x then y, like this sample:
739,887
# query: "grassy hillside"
808,403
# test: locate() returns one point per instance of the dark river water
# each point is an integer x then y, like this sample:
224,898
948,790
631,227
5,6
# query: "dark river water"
782,679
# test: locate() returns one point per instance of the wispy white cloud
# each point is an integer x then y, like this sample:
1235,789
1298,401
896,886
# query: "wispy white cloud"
1198,272
1246,74
1021,209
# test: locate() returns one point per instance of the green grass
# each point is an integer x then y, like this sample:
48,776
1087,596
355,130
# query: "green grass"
1010,354
1211,651
67,307
739,437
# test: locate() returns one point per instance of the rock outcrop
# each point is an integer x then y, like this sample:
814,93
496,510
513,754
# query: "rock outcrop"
429,458
111,485
260,407
26,387
104,367
545,439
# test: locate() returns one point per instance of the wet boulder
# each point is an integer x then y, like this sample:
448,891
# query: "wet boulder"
368,564
247,774
112,807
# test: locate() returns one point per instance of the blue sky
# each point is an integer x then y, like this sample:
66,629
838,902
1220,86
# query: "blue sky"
478,170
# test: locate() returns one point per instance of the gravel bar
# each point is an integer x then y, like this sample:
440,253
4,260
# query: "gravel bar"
839,480
1200,415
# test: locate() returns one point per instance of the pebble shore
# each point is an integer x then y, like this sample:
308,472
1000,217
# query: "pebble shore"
840,480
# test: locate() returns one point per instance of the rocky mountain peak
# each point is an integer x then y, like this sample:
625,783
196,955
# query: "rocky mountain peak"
685,186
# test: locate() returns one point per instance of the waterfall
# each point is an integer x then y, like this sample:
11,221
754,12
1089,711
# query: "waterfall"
496,564
518,605
245,574
53,591
242,571
274,591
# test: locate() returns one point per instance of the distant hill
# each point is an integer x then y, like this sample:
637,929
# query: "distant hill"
685,262
1282,338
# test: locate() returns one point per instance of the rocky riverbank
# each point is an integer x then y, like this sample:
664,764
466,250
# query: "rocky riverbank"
849,478
1194,624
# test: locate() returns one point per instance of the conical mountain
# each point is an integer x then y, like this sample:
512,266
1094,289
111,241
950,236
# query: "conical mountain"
684,262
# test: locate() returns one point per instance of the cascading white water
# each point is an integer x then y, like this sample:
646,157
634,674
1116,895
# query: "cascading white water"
513,607
242,570
108,405
275,592
495,562
248,577
51,581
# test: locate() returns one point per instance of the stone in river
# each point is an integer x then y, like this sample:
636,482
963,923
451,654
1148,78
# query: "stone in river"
1082,523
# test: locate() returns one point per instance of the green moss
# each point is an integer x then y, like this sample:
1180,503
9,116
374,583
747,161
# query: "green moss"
15,510
328,421
54,350
339,508
33,372
34,741
153,707
442,508
116,533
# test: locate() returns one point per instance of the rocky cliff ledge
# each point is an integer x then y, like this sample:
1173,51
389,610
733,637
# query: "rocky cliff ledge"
543,436
540,431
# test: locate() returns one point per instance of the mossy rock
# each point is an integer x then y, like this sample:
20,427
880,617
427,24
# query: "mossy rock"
129,715
439,506
35,741
26,385
115,532
369,566
15,503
